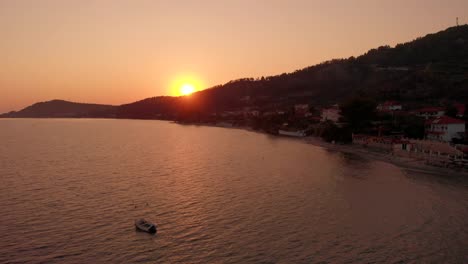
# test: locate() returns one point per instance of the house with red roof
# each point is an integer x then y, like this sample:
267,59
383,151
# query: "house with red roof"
445,128
461,108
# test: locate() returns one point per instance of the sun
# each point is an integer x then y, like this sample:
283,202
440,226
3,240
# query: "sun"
185,84
187,89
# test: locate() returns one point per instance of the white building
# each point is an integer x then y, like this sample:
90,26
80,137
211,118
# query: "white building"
430,112
331,114
389,106
301,109
445,129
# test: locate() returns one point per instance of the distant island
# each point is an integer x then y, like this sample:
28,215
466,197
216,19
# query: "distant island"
63,109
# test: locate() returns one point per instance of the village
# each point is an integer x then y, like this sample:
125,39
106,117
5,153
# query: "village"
433,135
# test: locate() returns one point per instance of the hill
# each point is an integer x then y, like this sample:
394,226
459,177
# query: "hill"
427,70
60,108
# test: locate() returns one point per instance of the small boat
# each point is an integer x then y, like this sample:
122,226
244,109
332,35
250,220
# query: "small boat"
298,133
145,226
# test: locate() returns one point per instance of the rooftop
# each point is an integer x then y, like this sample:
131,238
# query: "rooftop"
390,103
431,109
445,120
461,108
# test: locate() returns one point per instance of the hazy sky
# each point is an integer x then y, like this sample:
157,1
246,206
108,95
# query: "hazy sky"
121,51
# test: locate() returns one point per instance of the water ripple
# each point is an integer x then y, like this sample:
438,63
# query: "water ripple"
71,189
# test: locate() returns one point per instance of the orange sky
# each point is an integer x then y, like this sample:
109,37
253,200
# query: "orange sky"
116,51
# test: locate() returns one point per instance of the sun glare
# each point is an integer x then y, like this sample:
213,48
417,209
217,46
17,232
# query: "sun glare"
187,89
185,84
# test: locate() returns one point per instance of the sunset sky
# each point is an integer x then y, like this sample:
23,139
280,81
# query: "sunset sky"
116,51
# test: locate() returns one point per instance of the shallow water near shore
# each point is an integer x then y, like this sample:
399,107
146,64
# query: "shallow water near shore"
70,190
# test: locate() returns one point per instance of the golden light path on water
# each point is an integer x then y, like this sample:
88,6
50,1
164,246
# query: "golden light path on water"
70,190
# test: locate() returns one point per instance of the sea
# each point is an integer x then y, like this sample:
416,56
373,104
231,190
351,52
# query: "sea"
71,189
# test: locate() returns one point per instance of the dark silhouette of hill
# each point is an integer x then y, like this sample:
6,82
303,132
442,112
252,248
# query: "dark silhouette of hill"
427,70
60,108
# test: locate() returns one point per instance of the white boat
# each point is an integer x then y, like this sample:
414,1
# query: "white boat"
299,133
145,226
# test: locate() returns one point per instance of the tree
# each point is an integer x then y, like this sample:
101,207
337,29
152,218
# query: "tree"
332,132
451,111
412,126
312,109
358,112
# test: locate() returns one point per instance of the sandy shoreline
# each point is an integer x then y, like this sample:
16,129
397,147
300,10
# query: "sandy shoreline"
407,164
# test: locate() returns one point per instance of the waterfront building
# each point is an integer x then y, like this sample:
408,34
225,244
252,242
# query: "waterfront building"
430,112
445,129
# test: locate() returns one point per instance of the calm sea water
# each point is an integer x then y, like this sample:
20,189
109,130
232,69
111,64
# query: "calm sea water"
71,189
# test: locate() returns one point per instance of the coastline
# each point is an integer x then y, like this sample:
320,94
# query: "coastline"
407,164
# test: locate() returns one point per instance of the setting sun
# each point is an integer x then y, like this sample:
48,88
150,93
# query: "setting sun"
187,89
203,126
185,84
